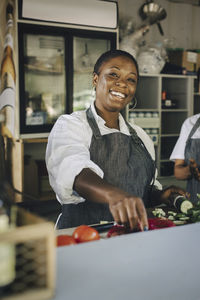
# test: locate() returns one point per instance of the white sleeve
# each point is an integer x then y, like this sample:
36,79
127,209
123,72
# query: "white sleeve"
67,154
179,148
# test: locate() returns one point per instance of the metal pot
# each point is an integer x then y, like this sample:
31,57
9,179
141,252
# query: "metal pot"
152,13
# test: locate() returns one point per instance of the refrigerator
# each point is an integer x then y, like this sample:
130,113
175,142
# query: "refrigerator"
55,72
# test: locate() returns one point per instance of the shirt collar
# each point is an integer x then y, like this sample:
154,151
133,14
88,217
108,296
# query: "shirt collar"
101,122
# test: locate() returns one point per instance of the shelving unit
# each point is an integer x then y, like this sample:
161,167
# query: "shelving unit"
179,88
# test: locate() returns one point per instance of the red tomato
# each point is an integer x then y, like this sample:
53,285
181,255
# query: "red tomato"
84,233
63,240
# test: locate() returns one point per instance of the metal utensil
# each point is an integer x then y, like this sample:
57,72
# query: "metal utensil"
153,13
103,227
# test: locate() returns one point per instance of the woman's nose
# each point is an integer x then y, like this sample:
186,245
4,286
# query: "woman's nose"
121,82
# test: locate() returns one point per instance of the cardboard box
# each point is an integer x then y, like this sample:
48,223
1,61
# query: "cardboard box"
185,59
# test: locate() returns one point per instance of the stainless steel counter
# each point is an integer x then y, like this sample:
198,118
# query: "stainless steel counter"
155,265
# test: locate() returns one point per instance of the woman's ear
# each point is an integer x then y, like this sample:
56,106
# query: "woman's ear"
95,79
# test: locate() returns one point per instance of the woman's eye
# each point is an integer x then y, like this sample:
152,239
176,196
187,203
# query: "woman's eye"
132,80
113,74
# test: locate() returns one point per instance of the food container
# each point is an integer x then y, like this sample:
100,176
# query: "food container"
185,59
34,243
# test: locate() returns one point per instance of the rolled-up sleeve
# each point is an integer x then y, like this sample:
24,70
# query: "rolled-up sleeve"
67,154
179,148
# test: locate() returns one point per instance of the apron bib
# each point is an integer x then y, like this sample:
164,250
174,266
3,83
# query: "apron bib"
192,150
126,164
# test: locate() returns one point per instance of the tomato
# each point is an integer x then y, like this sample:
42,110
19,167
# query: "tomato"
63,240
84,233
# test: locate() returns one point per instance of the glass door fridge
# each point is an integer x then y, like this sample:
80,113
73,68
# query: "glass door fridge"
85,51
55,71
42,70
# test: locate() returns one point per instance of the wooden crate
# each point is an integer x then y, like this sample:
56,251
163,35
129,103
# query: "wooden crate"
34,242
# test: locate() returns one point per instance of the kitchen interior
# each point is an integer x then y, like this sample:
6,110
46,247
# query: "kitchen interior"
54,54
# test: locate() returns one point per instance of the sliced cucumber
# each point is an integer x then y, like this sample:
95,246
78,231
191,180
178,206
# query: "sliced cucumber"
180,215
172,218
185,205
179,222
184,218
182,204
172,213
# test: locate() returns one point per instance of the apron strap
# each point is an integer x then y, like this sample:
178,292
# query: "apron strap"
93,124
138,141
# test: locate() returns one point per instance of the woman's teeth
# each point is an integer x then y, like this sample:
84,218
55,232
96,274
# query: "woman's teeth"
118,94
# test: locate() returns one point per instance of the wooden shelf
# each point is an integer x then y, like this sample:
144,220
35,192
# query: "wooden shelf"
37,140
43,70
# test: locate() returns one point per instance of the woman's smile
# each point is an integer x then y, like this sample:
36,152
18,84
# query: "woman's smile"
117,94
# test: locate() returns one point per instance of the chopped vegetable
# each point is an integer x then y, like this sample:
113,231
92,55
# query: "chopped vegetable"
172,218
65,239
158,212
182,204
85,233
178,222
172,213
158,223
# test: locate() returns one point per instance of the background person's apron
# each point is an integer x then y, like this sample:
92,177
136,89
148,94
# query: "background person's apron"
192,150
126,164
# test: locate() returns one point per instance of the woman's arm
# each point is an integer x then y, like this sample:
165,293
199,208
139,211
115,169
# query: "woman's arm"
67,153
126,209
181,170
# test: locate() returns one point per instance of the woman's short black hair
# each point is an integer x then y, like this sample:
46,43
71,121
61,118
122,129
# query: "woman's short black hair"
111,54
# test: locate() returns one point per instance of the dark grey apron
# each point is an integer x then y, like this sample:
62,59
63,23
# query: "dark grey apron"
126,164
192,150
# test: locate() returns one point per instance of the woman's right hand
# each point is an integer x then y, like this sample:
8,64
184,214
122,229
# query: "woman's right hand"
128,210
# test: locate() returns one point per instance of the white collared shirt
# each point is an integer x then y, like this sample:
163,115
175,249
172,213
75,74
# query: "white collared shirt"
179,149
67,152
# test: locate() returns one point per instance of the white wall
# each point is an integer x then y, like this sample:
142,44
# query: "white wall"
182,23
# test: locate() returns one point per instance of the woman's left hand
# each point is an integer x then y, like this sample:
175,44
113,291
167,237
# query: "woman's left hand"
169,194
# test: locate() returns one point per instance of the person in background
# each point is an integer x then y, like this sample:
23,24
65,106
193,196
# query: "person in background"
186,155
100,167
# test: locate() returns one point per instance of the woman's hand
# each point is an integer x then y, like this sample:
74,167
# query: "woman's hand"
169,194
194,169
128,210
183,171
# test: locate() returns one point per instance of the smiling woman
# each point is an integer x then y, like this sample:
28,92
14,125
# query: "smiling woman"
100,167
115,82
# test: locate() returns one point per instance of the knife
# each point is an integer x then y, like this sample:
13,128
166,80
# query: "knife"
103,227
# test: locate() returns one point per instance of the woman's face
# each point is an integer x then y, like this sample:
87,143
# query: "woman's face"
116,84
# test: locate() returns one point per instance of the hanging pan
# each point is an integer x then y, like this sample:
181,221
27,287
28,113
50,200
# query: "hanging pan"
152,13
